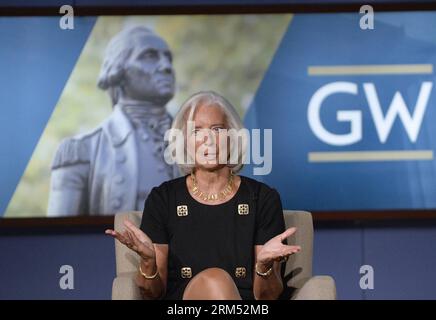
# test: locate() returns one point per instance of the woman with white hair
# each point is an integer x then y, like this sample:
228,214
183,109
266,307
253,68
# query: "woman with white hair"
210,234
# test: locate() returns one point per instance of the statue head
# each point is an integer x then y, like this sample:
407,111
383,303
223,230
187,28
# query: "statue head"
137,65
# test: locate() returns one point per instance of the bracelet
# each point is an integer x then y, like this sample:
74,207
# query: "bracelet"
263,274
148,277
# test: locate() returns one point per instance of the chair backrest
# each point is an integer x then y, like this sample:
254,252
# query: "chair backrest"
298,267
127,261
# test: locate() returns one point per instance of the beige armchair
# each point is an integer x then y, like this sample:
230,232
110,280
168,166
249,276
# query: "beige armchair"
301,285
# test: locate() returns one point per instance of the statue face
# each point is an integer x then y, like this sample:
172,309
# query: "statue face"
149,73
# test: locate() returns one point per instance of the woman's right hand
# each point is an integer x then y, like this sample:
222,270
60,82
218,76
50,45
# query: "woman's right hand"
136,240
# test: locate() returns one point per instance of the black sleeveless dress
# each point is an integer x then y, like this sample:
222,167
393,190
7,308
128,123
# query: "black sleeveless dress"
201,236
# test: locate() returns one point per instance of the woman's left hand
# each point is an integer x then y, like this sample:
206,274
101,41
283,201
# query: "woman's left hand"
275,250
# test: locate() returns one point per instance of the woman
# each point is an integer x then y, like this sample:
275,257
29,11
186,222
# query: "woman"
210,234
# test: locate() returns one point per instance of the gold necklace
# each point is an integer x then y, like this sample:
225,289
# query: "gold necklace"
212,196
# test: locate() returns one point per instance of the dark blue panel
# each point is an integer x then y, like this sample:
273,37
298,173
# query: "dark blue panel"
337,253
29,266
404,261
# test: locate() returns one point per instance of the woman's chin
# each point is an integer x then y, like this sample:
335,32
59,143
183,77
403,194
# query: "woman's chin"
211,165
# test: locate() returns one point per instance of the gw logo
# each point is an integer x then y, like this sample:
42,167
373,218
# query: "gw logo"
383,123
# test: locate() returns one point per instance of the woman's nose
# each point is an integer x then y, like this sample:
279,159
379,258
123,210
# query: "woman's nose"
210,138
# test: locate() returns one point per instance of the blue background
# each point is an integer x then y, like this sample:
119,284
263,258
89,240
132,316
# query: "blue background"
282,99
41,74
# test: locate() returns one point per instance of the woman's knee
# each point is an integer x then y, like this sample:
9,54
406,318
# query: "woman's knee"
215,275
212,277
213,281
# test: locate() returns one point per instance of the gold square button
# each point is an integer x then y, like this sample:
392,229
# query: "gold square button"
186,272
240,272
182,211
243,209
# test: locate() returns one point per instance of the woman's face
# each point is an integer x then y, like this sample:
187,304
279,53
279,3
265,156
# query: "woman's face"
205,139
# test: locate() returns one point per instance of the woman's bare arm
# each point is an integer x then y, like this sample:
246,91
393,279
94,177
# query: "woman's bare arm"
154,258
156,288
268,256
267,288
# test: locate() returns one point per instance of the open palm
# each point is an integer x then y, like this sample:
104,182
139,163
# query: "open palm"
275,250
135,239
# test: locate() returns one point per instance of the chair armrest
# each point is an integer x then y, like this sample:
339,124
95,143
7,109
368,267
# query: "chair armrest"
125,288
317,288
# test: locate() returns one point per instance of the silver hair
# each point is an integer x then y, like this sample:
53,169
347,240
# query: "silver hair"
117,52
233,121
